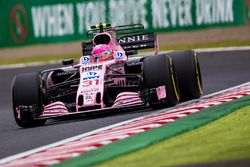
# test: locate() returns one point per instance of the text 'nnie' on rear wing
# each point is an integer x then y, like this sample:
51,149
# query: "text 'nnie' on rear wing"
130,43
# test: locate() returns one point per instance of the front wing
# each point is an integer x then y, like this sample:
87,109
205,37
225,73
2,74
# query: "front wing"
94,112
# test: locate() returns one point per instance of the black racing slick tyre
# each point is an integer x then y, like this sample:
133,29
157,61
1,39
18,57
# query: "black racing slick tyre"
26,94
158,71
188,74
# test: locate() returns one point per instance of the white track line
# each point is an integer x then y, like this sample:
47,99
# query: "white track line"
222,91
203,97
42,148
241,48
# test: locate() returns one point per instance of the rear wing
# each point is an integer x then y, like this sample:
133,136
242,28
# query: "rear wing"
131,44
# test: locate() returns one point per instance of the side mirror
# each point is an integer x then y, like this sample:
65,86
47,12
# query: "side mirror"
68,62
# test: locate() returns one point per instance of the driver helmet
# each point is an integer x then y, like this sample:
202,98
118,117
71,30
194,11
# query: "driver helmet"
102,52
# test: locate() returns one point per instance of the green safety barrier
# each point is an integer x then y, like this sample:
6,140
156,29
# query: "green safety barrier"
248,9
25,22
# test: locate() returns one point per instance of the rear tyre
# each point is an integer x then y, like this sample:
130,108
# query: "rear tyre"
159,71
188,74
26,92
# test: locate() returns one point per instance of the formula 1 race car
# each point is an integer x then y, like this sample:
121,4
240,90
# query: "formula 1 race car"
105,79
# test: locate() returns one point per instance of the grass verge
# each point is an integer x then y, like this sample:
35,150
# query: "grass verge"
35,59
227,43
223,140
47,58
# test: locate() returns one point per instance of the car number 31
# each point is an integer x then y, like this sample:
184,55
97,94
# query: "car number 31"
91,82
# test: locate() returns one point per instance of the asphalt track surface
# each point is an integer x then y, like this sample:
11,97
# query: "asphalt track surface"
220,70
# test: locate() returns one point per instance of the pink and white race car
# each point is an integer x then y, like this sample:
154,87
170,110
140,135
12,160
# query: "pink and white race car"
105,79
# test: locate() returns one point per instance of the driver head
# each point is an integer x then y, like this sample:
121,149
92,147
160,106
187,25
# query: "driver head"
102,52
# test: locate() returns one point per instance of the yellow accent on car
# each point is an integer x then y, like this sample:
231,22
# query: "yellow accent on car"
197,74
173,79
96,26
104,25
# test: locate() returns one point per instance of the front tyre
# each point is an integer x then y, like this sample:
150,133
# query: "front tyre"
188,74
26,100
159,71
